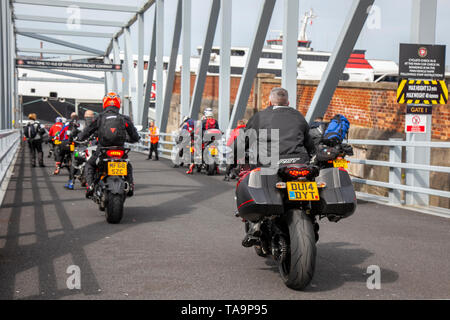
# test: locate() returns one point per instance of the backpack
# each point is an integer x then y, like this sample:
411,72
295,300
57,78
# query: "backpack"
112,130
325,153
337,130
210,124
316,132
30,131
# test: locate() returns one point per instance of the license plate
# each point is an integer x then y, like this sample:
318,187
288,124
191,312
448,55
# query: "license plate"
117,169
213,151
303,191
340,163
57,142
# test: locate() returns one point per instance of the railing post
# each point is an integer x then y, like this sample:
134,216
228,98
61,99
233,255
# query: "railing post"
395,174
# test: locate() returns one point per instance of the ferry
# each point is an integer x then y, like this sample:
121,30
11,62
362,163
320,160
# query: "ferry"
51,94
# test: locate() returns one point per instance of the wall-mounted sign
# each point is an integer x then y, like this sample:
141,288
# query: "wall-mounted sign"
425,109
422,92
415,123
418,61
42,64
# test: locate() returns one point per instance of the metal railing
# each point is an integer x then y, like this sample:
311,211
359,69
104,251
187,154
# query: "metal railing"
395,165
143,146
9,143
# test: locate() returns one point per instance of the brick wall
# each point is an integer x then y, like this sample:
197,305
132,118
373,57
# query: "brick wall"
368,105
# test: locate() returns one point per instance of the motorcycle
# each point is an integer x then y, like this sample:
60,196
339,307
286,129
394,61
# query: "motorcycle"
333,156
82,153
282,209
210,152
112,188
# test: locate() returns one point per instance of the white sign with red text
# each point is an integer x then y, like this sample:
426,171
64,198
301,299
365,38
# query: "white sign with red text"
416,123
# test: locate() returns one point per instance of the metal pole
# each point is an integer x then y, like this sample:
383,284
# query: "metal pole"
140,69
336,65
395,174
164,115
290,44
126,82
131,75
204,60
2,65
186,65
108,78
423,31
251,66
9,76
117,77
150,73
159,59
225,67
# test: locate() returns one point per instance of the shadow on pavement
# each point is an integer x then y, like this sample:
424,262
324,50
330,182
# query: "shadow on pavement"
338,263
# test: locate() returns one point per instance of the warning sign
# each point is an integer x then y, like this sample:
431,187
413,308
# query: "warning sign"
422,92
421,61
416,123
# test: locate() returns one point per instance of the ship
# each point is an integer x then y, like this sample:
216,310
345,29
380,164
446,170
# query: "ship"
53,94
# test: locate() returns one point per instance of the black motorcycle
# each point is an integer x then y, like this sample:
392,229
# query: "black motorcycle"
112,187
282,209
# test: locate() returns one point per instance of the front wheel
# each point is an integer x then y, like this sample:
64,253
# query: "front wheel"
297,269
114,208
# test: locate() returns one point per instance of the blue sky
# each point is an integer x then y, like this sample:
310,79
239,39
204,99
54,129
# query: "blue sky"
380,43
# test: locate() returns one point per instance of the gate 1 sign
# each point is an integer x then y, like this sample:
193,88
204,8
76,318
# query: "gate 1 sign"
416,123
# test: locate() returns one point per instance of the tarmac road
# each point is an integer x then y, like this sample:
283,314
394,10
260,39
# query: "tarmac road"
179,239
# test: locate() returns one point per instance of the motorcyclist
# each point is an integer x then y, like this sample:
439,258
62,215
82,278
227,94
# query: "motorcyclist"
52,133
186,131
231,143
207,123
66,136
294,139
111,115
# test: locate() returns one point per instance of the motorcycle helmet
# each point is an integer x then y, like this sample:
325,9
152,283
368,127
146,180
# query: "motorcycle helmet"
111,99
59,119
208,113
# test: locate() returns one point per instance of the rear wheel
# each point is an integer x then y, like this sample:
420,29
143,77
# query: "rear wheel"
211,169
114,208
297,269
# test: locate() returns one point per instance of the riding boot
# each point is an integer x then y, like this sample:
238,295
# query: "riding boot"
57,168
191,169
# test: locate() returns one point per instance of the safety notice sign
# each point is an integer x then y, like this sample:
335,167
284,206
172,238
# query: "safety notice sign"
416,123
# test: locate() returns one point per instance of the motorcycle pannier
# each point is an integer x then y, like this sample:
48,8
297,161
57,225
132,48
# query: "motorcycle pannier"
338,198
257,197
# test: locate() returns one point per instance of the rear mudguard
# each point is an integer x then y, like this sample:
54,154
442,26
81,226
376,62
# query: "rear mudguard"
116,185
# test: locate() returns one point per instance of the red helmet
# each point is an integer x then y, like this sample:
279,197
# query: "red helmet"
111,99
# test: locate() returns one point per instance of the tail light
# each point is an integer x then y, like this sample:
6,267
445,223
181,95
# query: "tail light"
297,172
86,152
117,154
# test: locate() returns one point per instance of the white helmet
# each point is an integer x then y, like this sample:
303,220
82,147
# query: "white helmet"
208,112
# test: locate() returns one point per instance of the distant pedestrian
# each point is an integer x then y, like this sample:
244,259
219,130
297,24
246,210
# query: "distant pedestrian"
34,134
153,132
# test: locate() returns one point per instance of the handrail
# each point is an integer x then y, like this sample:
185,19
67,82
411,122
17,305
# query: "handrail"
9,143
388,143
395,165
